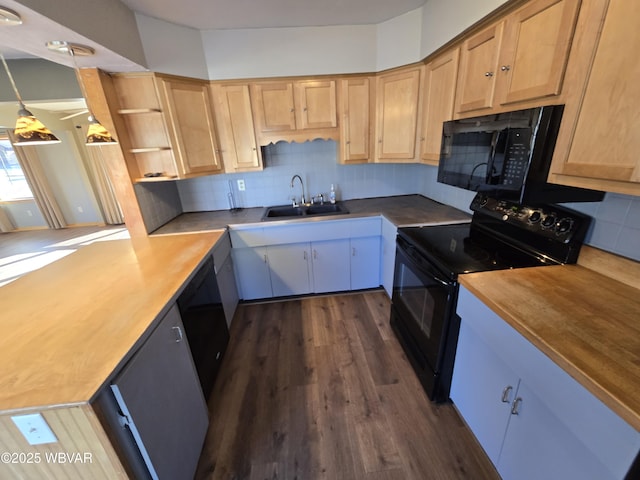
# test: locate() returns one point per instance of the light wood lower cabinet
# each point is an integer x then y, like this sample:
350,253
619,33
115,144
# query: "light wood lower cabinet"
598,143
533,420
234,119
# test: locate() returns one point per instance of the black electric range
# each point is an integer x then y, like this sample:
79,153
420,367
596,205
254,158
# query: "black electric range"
501,235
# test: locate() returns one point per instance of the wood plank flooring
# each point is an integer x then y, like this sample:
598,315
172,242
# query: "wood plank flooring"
319,388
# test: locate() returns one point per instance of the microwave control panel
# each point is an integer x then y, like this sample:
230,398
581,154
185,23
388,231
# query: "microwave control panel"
516,158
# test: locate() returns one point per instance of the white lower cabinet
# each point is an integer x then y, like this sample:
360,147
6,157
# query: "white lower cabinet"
330,266
533,420
387,267
365,262
301,258
252,272
289,269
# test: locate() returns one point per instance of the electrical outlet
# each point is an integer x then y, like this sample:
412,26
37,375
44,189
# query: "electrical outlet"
80,209
241,186
35,429
29,213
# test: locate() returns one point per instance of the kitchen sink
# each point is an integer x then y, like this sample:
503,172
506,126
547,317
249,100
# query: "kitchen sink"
287,211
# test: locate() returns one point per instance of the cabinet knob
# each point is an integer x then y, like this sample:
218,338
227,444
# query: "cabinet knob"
488,74
505,68
291,110
178,332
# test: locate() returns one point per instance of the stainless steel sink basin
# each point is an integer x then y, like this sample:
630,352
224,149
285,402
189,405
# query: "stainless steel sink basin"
287,211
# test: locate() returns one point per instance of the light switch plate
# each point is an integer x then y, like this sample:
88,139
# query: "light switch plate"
35,429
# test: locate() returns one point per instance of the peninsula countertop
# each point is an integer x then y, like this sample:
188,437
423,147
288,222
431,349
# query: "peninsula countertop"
69,326
586,322
403,210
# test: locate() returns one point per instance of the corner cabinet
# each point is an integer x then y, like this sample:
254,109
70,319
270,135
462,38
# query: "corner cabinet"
170,125
518,59
356,109
532,419
598,143
439,95
397,115
295,110
237,136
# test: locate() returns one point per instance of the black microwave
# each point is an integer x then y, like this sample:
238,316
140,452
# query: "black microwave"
507,156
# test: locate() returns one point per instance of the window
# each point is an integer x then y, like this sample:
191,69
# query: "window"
13,184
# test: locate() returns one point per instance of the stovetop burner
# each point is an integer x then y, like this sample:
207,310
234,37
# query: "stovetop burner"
501,235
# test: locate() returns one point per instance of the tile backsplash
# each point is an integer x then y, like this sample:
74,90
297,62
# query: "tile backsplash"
616,226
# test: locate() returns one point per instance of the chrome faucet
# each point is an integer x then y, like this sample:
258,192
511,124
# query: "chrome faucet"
302,199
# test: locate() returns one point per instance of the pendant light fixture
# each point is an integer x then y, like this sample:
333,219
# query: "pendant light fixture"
96,134
29,130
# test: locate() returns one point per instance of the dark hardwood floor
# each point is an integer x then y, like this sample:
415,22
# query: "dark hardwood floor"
319,388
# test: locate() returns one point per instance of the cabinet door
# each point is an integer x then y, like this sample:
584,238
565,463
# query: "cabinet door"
482,389
478,69
538,445
228,290
534,50
252,272
191,126
365,263
159,392
330,266
355,120
603,138
289,265
234,119
397,98
315,104
274,106
439,95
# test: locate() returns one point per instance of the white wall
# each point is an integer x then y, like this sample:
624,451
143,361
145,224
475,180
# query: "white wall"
398,40
444,19
171,48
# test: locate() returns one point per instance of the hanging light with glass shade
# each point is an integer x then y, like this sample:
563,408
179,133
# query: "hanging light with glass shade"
29,130
97,134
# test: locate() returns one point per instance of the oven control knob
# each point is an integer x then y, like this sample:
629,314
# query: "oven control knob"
564,225
535,217
549,221
505,217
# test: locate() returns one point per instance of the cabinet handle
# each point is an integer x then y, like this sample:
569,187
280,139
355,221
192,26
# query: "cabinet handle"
265,258
315,254
515,406
505,393
353,251
488,74
178,331
291,111
505,68
305,255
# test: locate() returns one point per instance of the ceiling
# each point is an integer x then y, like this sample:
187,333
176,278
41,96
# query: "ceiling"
229,14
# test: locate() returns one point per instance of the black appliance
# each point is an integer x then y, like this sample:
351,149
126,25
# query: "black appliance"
204,323
501,235
507,155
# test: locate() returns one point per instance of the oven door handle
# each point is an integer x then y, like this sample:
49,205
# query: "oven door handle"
413,258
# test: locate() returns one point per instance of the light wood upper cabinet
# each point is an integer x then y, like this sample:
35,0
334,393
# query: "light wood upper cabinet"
439,94
397,114
234,119
355,109
170,125
518,59
285,110
598,143
191,126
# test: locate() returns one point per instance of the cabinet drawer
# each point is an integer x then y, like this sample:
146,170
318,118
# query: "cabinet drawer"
365,227
249,237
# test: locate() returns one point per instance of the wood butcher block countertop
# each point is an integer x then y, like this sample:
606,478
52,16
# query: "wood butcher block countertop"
67,327
586,322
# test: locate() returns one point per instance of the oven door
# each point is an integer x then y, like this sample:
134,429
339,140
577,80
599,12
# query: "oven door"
422,306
